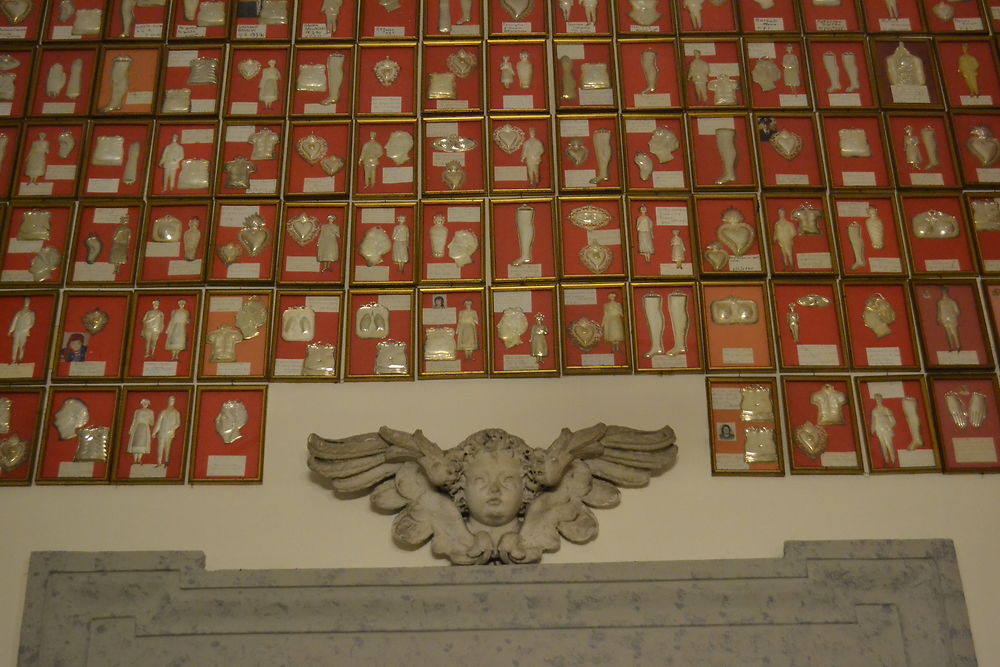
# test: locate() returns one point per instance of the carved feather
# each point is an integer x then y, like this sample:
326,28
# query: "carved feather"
582,528
655,460
347,468
602,495
623,437
365,480
385,498
348,448
616,473
569,446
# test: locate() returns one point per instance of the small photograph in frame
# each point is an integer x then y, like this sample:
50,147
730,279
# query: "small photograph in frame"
91,339
809,318
152,432
235,333
51,156
745,427
525,329
451,241
257,84
20,416
36,243
243,242
28,320
880,326
78,438
163,334
191,81
788,150
937,234
655,83
985,215
127,82
819,412
737,326
307,336
451,333
896,419
117,158
798,234
968,421
312,244
713,73
868,237
667,331
58,95
778,74
379,335
250,160
517,77
385,244
596,325
661,237
228,435
951,325
106,244
523,240
592,235
174,241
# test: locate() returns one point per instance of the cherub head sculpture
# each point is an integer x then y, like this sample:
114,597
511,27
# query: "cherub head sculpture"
493,497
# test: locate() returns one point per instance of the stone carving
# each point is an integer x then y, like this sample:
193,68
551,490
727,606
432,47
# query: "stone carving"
493,497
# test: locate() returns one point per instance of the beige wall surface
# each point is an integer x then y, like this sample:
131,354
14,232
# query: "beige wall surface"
292,521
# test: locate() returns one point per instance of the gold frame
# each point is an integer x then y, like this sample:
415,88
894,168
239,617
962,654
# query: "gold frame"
234,49
213,243
290,153
620,369
737,115
827,223
416,158
988,364
60,331
350,316
420,225
584,41
903,285
829,146
754,202
193,453
615,168
220,87
821,187
160,129
965,228
765,312
967,198
86,150
896,223
815,65
351,259
776,39
344,208
694,323
490,175
199,279
33,438
7,215
194,334
495,279
845,354
409,43
43,365
623,247
708,37
947,140
544,74
139,234
425,190
485,342
779,439
279,150
477,106
42,446
186,440
851,413
265,330
921,379
939,418
693,251
555,326
684,150
932,71
275,324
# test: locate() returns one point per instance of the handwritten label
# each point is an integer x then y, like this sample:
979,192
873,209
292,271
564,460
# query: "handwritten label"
502,174
22,371
663,361
518,102
190,31
671,216
831,25
918,458
721,69
515,27
742,356
942,265
768,23
651,100
287,367
726,398
103,185
791,179
251,32
858,178
452,104
59,108
975,450
885,264
852,209
372,274
262,186
580,297
926,179
159,368
520,362
383,104
240,368
98,272
156,249
975,100
198,136
389,31
818,355
246,271
315,31
579,178
442,366
894,25
443,271
685,269
797,100
146,471
668,179
139,98
60,172
958,358
392,175
963,24
180,267
580,28
439,159
839,459
571,51
524,271
883,356
301,264
988,174
225,304
88,369
814,260
594,359
574,127
844,99
148,31
234,216
761,50
226,466
745,263
400,302
377,216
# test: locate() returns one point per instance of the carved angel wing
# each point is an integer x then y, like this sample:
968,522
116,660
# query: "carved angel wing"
584,469
402,472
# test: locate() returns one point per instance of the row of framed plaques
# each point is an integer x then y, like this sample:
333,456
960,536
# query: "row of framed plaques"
342,80
106,243
843,425
284,21
609,327
468,156
90,434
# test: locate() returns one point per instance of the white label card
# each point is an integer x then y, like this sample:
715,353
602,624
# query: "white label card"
761,50
731,462
87,368
378,274
146,471
524,271
235,216
726,398
520,362
814,260
707,126
910,94
240,368
737,355
942,265
323,304
180,267
225,304
671,216
391,175
890,389
286,367
571,51
84,469
975,450
442,366
301,264
959,358
818,355
378,216
918,458
796,100
883,356
574,127
383,104
395,301
580,297
243,108
745,263
839,459
439,316
579,178
704,48
858,178
109,216
197,136
507,174
513,299
226,466
663,361
885,264
894,25
852,209
652,100
518,101
605,359
443,271
606,237
668,179
159,368
844,99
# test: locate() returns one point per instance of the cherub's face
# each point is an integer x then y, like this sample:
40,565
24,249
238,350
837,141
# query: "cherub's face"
493,487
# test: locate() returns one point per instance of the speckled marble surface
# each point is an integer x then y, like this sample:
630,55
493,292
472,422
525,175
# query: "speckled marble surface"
893,602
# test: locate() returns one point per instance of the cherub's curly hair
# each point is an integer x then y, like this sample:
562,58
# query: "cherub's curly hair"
493,440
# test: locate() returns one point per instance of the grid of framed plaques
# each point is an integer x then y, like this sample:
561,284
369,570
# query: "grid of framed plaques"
201,197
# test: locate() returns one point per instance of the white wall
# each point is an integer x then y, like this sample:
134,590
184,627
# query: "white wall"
291,521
